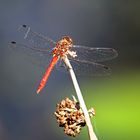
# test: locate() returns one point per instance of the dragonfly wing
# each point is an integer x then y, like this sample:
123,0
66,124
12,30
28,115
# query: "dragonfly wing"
37,56
85,68
90,68
94,54
35,39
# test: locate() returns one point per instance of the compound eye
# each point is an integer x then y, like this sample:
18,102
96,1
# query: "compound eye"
68,39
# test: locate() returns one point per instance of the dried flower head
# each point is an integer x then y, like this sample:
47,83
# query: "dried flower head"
70,116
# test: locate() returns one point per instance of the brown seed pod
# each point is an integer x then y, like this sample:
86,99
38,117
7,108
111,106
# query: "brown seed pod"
70,116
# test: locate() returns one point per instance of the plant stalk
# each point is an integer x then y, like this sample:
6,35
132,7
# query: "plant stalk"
81,100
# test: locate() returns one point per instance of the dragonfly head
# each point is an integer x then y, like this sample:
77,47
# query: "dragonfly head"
66,40
63,46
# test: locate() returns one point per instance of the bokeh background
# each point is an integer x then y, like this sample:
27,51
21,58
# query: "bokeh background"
24,115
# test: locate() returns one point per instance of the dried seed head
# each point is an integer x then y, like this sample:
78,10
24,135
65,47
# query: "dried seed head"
70,116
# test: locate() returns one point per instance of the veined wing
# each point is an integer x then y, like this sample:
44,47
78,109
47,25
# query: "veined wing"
86,68
94,54
38,56
35,39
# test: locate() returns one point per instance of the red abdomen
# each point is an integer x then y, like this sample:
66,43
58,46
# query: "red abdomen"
47,73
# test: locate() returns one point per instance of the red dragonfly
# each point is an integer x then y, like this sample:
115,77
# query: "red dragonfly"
84,59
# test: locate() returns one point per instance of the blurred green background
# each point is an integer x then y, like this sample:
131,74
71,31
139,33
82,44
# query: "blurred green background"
93,23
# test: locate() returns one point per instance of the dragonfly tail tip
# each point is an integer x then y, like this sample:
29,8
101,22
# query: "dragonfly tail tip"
38,91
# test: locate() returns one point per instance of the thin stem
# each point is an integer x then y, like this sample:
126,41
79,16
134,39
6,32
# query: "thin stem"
81,100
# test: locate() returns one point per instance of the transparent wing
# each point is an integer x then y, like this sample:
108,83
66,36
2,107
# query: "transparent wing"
94,54
40,57
35,39
85,68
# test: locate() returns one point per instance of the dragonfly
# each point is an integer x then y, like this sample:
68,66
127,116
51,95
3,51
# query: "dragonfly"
45,51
